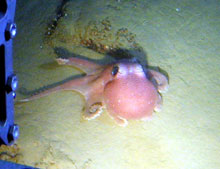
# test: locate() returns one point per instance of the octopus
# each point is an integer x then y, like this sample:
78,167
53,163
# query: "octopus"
126,89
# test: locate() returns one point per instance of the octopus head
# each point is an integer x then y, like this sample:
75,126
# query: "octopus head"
129,94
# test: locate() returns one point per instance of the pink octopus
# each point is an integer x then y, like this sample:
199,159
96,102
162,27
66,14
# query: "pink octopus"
123,88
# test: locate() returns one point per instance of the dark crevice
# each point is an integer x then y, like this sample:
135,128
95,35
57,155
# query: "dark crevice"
60,13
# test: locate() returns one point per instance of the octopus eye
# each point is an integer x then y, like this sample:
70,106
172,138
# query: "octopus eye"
115,70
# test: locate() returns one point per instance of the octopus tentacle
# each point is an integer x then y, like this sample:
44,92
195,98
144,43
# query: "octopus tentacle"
121,121
87,66
159,104
161,80
91,111
79,85
93,99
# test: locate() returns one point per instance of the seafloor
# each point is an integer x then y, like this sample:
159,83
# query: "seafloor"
180,37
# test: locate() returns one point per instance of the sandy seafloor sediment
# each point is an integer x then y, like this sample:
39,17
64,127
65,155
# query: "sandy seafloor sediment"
181,37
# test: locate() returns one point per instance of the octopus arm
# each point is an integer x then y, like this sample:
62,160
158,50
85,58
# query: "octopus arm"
161,80
87,66
79,85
